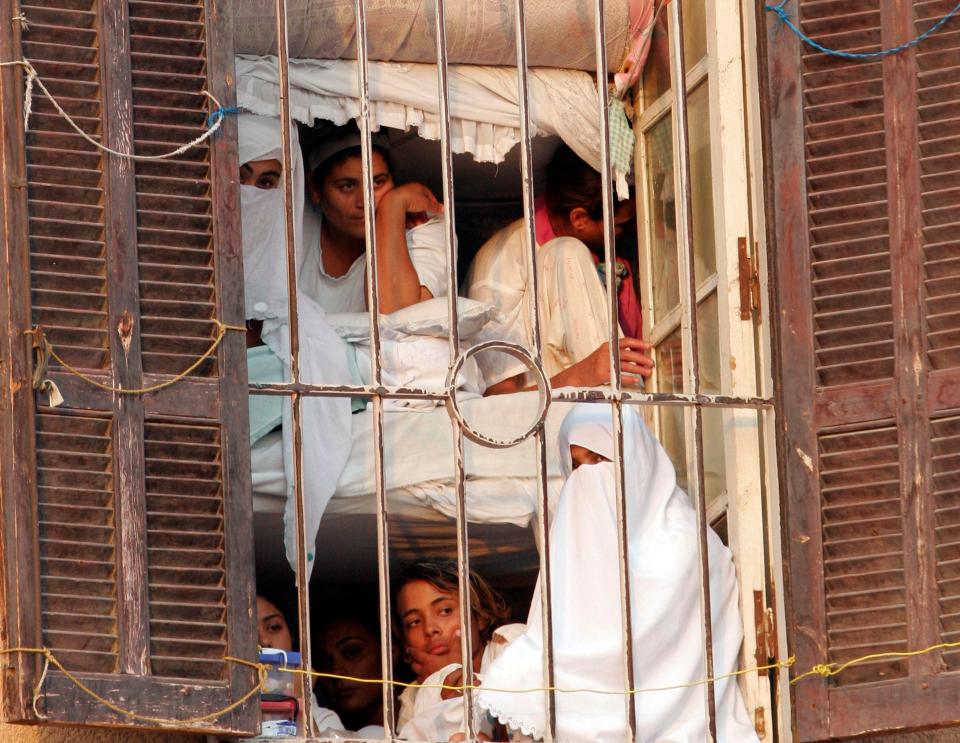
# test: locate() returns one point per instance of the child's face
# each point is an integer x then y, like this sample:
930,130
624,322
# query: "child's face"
430,626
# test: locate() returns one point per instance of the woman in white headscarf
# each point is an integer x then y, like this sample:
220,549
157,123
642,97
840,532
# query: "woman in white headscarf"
664,581
327,423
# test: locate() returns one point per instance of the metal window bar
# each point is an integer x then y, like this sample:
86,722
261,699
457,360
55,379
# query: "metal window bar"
296,400
453,339
691,355
610,258
373,305
543,506
615,396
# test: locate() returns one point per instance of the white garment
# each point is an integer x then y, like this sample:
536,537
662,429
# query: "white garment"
665,605
324,719
426,716
326,421
573,305
426,244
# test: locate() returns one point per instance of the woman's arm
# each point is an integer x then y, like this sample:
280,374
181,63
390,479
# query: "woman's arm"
592,371
399,284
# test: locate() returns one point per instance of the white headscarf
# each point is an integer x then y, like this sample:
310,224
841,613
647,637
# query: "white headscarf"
263,216
665,604
327,423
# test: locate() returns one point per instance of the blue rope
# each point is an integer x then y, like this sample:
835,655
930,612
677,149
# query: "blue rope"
220,113
785,17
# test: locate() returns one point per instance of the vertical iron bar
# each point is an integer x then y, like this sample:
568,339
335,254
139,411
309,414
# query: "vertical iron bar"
446,171
691,358
609,249
369,217
463,541
296,400
526,174
373,304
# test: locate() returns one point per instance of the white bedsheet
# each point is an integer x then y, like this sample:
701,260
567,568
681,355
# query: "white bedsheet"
484,103
418,460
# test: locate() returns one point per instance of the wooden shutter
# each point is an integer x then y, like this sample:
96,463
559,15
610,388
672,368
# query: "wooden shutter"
864,202
127,530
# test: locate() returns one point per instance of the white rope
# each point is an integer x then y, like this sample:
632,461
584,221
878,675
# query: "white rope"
33,77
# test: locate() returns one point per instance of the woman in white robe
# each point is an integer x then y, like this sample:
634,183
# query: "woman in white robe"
665,604
327,424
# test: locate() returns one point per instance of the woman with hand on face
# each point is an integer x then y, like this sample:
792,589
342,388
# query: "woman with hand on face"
428,621
411,242
347,644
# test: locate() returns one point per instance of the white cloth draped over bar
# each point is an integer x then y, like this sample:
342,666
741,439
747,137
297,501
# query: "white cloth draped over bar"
484,105
327,423
665,596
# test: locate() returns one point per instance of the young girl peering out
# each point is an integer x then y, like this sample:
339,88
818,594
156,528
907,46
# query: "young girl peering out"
428,622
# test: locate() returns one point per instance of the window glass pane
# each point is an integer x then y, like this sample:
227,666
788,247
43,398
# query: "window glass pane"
663,221
708,345
668,357
694,31
701,182
656,71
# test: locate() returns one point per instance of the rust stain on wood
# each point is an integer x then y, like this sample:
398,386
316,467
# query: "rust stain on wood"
125,331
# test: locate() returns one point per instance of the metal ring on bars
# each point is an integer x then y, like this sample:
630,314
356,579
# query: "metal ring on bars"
519,353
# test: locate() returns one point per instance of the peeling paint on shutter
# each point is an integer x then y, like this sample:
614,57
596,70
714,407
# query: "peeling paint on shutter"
938,109
945,469
77,554
133,562
65,175
862,206
174,232
187,589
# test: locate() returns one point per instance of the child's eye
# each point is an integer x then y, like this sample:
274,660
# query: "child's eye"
411,623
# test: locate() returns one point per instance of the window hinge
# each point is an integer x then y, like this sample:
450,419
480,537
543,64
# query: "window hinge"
766,627
749,275
760,722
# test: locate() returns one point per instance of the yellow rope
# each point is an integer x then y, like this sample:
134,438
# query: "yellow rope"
51,659
46,348
821,669
558,689
826,670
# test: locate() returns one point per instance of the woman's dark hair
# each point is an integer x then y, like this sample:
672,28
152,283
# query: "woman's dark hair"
343,606
572,183
487,606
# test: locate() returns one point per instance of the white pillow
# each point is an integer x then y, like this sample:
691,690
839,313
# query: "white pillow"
429,318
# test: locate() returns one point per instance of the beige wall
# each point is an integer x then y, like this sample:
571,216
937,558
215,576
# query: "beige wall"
50,734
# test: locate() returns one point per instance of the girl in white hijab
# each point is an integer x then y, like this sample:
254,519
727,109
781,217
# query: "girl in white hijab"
665,603
327,421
